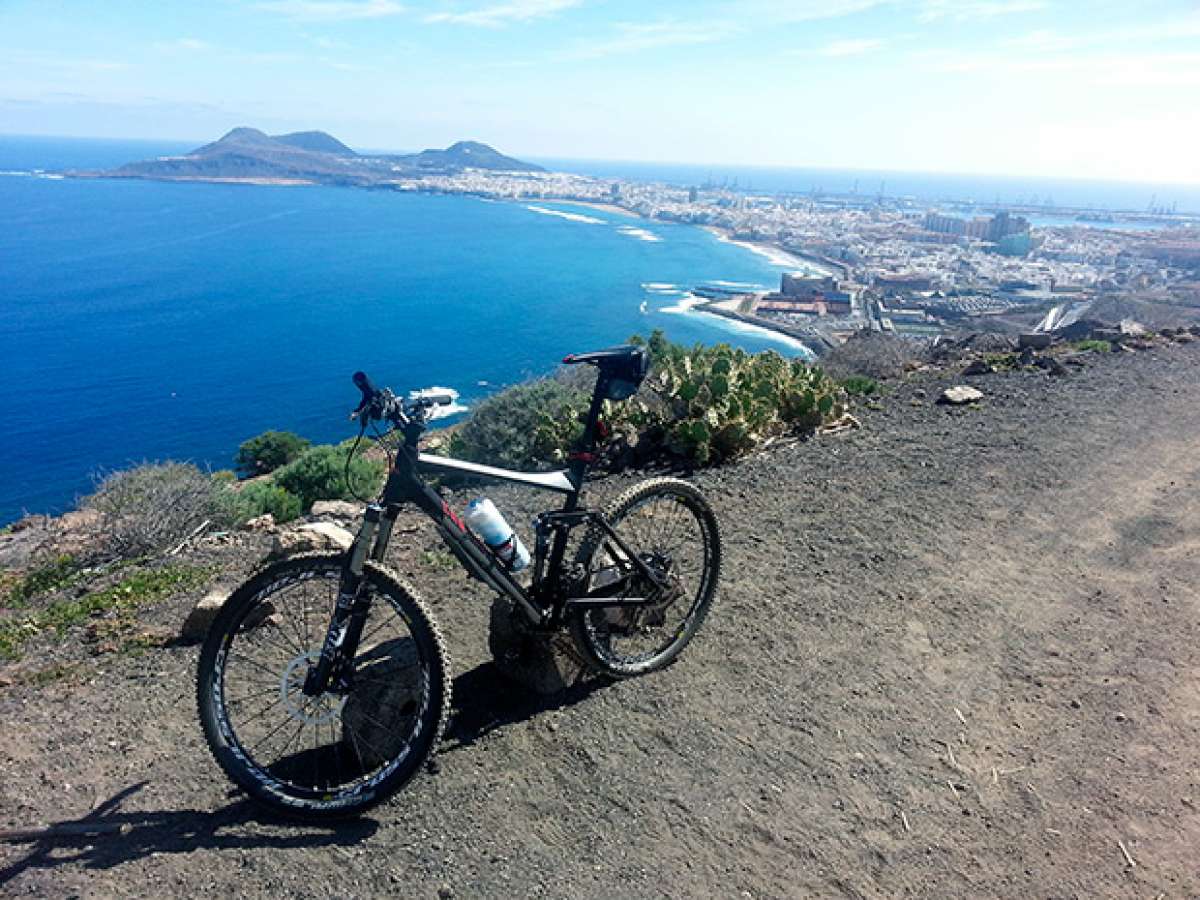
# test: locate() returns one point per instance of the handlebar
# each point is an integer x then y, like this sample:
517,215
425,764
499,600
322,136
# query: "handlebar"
379,404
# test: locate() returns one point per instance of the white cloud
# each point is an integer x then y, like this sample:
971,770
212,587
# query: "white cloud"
503,13
853,47
632,37
970,10
333,10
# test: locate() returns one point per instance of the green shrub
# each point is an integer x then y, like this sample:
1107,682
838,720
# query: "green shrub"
140,588
521,426
57,572
269,451
860,386
261,497
319,474
225,476
1093,346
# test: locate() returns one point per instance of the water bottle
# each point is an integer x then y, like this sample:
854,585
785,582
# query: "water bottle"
485,520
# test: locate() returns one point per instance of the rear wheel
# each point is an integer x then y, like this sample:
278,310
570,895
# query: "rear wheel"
670,527
339,753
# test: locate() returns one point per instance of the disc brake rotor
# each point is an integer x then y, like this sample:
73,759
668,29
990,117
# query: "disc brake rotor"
302,708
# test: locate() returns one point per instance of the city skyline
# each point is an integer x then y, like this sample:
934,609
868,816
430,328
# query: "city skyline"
1003,87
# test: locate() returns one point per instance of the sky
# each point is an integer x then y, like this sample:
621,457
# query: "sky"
1096,89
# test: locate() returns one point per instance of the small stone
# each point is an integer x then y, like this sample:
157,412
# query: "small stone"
920,393
978,367
199,620
335,509
1121,717
537,662
1051,365
960,394
445,892
1036,341
265,522
313,537
1075,704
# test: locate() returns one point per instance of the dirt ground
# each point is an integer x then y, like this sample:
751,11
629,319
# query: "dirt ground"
955,653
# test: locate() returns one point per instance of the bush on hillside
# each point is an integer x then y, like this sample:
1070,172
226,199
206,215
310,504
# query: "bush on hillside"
319,473
151,508
860,386
260,497
269,451
522,426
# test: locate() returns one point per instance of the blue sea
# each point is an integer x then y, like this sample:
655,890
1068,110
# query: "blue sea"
143,320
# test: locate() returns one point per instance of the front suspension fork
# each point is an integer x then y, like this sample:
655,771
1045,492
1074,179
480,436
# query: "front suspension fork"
350,611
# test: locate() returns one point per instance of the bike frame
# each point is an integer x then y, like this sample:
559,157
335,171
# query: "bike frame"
545,603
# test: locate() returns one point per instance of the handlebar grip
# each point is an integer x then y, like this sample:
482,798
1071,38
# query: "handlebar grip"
369,393
363,383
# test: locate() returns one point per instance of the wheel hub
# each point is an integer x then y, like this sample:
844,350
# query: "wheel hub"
302,708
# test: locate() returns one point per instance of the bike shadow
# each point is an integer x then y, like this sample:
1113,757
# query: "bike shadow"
127,836
484,700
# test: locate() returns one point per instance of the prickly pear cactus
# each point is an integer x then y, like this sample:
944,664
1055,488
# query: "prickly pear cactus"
715,403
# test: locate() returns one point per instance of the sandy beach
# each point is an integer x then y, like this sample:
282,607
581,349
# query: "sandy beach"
777,255
604,207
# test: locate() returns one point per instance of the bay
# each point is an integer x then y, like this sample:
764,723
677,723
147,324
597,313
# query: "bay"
148,320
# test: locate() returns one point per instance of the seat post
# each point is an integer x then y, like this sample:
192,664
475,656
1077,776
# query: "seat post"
587,441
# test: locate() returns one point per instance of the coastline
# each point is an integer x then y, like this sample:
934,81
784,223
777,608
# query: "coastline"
263,181
605,207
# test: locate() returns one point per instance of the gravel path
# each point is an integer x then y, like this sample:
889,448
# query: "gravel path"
955,653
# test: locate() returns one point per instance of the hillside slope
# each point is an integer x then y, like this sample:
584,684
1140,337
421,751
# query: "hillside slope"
956,653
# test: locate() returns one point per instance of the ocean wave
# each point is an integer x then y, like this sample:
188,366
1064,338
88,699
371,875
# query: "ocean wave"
746,328
658,286
688,303
735,284
569,216
774,255
452,409
685,304
640,233
17,173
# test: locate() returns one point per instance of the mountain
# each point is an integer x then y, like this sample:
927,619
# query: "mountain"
470,155
316,141
248,154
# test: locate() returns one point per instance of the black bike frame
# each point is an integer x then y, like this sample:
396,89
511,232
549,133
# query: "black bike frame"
545,603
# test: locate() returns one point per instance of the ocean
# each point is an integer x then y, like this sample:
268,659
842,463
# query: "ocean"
144,320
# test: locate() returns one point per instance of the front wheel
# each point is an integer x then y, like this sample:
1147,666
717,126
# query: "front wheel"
339,753
668,524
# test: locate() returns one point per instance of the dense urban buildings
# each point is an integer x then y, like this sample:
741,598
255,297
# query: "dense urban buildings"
890,263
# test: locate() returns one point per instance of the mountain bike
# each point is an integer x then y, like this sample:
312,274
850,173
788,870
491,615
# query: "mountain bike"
324,682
